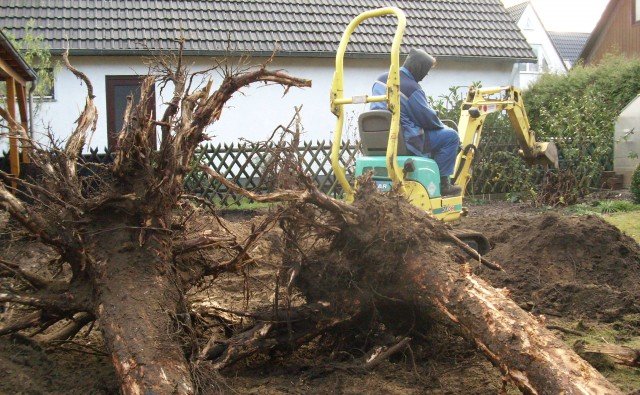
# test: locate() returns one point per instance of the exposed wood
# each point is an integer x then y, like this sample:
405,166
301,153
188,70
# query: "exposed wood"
139,339
69,330
87,120
513,340
621,354
9,72
384,354
24,120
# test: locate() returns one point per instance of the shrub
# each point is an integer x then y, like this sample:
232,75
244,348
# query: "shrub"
635,185
577,111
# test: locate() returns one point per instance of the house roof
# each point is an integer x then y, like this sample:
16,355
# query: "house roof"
569,44
455,28
599,29
10,57
517,10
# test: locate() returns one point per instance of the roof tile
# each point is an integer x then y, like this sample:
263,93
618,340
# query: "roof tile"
569,45
475,28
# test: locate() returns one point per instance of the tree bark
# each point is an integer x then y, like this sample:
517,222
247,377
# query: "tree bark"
138,301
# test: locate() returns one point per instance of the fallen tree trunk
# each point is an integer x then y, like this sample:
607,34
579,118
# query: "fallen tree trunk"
513,340
398,253
138,308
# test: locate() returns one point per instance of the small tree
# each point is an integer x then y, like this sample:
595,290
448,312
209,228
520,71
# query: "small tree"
36,53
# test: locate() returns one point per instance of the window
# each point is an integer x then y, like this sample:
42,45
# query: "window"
118,88
528,24
540,66
45,85
636,11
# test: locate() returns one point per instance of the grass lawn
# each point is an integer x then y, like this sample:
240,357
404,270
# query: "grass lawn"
628,222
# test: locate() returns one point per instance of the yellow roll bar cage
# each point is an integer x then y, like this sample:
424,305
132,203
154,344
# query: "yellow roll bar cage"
392,98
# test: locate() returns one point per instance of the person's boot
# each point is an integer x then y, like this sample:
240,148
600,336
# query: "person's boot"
448,189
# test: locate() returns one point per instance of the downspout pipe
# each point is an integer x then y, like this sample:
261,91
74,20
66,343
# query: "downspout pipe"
32,89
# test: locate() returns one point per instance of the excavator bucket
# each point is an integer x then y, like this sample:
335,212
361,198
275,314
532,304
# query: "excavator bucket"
543,154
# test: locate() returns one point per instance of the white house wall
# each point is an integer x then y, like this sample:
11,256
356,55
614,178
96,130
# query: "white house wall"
260,110
536,34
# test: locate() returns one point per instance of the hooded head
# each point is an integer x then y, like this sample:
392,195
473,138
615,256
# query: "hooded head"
419,63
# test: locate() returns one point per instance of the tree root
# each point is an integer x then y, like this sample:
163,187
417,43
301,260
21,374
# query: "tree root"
377,358
70,330
29,320
284,332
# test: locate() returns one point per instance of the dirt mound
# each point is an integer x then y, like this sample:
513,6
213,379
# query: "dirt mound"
28,370
566,265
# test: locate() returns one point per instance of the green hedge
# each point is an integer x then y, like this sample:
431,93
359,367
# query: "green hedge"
579,109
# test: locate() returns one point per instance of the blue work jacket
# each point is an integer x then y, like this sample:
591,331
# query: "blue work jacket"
417,118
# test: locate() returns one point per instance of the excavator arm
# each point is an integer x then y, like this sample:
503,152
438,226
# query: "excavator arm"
481,102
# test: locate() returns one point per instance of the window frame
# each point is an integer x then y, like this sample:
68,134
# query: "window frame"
47,98
540,66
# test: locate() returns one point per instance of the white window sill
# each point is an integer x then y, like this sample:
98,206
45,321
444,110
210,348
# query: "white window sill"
46,99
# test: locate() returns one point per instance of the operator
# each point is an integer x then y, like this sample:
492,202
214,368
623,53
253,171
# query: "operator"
424,134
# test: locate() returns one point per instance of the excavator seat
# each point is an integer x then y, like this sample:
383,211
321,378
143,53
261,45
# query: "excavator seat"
374,128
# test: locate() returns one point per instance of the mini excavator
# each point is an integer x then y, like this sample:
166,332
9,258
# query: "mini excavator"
417,177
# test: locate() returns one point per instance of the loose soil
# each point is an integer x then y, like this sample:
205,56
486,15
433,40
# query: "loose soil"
580,272
559,265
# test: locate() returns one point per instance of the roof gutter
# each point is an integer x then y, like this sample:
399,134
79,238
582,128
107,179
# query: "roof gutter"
297,54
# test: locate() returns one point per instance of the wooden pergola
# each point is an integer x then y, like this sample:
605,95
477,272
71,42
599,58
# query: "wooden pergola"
15,73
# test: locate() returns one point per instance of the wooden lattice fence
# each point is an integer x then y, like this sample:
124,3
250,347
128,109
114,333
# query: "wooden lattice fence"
246,164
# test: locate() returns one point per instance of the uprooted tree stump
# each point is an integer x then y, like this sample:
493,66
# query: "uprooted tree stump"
382,252
396,253
114,229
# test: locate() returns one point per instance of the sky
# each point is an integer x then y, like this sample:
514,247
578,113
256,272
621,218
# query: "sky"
567,15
